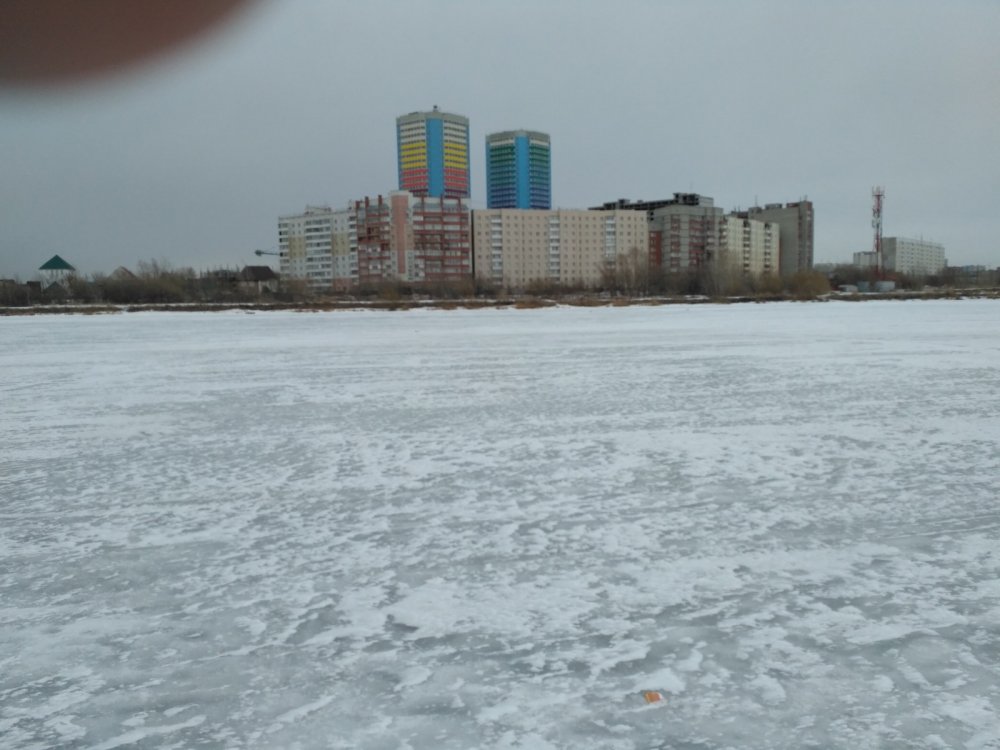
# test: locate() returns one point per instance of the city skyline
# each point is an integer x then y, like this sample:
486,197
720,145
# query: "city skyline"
189,158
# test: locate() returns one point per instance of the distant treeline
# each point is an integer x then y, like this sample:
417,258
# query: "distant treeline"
152,284
156,284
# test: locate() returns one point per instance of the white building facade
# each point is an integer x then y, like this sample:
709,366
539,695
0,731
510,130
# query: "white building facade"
318,246
515,247
901,255
913,257
865,259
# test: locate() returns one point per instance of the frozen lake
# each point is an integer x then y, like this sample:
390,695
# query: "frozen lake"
495,528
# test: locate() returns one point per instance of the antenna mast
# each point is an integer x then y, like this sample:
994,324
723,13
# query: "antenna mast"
878,196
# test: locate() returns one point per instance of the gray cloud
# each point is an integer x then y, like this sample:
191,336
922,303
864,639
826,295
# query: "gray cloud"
191,160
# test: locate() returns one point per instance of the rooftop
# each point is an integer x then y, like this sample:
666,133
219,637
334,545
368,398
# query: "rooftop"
55,263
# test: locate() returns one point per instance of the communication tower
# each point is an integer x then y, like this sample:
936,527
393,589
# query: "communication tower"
878,197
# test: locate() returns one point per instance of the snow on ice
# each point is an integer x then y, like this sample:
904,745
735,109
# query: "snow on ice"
498,528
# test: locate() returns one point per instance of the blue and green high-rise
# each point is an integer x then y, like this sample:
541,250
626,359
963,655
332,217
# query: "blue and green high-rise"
518,170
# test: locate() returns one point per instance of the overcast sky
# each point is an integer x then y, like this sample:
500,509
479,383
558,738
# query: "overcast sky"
190,159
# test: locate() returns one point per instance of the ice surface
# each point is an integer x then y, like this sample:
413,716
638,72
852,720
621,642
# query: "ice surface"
495,528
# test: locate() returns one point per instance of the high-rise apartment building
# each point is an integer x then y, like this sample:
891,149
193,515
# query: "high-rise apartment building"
748,247
689,233
685,232
401,237
515,247
796,222
433,150
518,170
413,238
319,246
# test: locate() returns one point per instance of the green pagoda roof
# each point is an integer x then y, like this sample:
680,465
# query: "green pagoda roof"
55,263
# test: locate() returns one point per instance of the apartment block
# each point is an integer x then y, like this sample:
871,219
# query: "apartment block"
685,232
748,247
400,237
689,233
413,238
381,241
866,259
514,247
796,241
902,255
319,246
916,257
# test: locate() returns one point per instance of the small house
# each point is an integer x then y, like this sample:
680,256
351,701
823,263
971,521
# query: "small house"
259,280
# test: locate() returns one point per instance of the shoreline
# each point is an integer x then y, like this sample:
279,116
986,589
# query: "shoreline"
519,303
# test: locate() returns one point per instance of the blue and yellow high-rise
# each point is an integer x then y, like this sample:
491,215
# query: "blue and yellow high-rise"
518,170
433,149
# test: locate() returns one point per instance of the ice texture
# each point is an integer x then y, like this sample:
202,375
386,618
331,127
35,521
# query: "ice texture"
496,528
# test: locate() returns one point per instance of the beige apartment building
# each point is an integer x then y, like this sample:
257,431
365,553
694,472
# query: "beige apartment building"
748,247
689,233
514,247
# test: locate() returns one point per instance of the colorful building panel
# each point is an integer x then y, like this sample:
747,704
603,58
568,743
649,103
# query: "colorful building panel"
433,154
518,170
